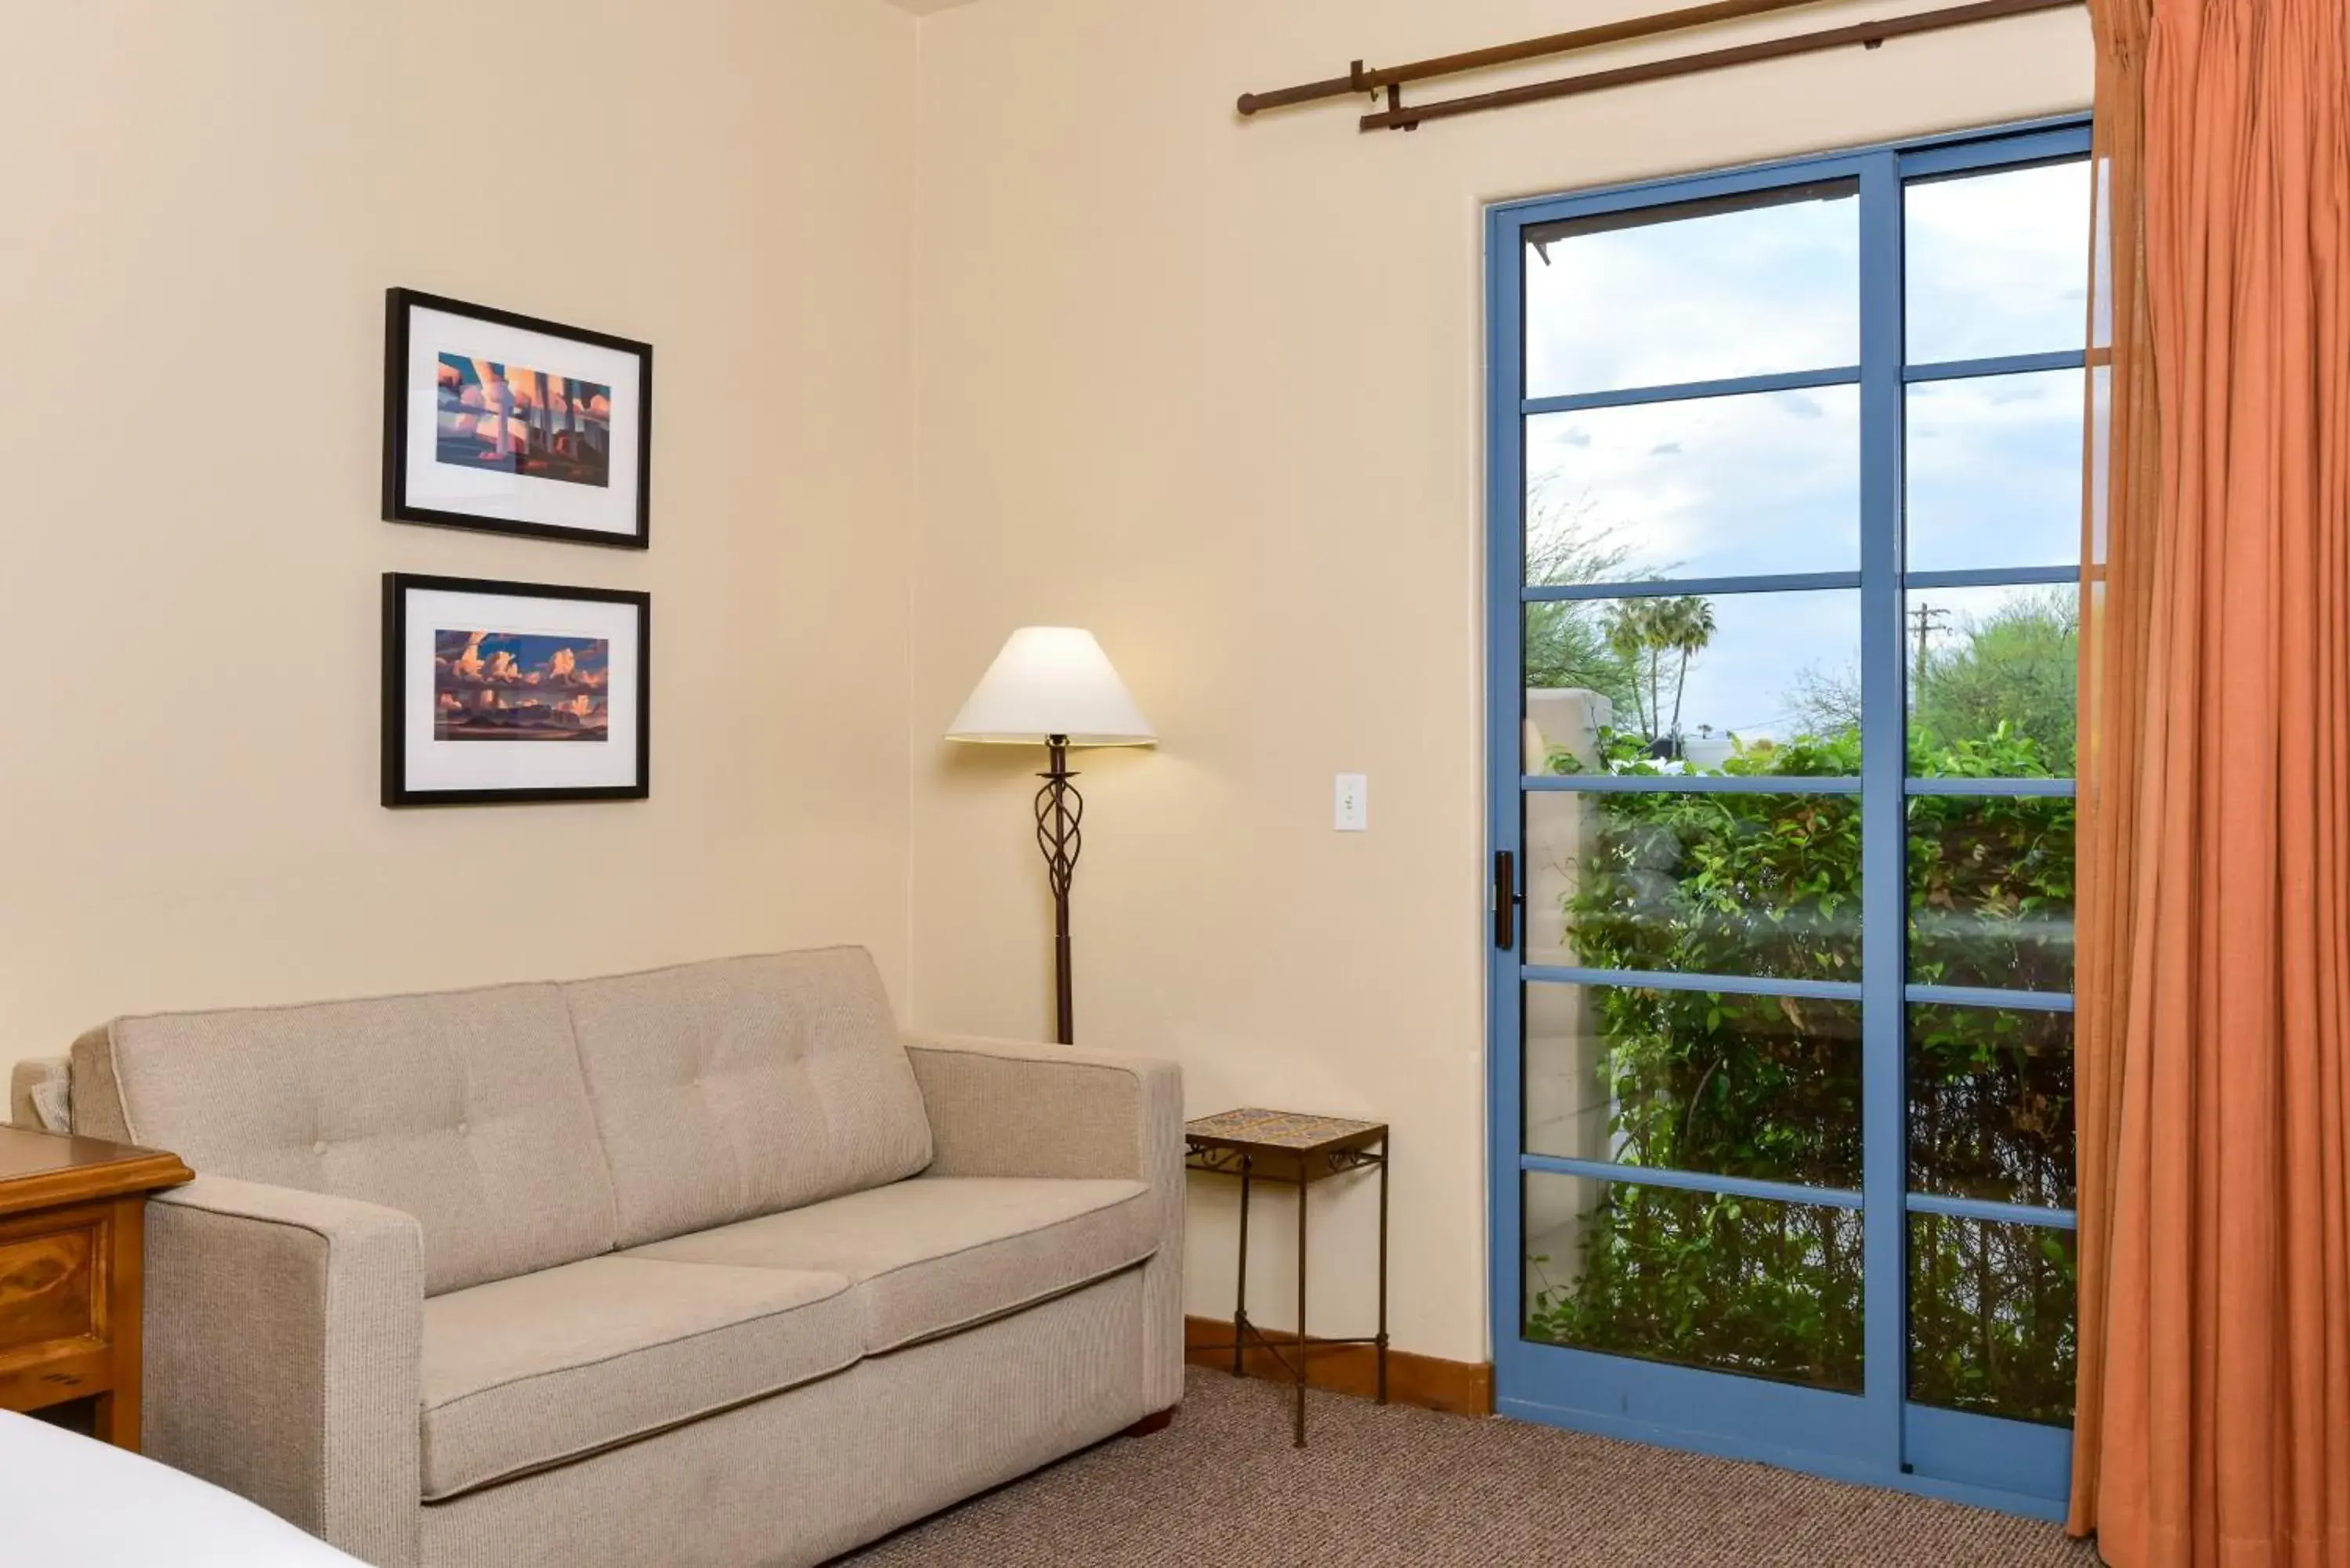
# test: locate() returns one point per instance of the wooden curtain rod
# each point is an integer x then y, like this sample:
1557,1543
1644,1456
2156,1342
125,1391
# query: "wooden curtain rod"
1398,116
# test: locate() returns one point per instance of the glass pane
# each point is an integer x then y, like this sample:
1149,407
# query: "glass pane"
1994,471
1701,291
1991,1104
1761,1086
1746,683
1711,487
1997,263
1993,676
1990,1317
1759,884
1990,891
1739,1285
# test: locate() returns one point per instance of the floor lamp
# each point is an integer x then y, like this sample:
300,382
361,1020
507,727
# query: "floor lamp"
1053,686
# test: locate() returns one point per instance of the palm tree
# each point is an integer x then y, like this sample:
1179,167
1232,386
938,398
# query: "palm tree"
1642,632
1686,626
1632,627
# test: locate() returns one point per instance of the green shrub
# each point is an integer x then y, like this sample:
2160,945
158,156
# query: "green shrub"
1768,884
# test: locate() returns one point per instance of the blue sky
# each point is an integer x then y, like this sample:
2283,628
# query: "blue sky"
1996,265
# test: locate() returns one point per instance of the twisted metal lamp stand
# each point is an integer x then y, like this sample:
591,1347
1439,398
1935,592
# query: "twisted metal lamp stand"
1059,811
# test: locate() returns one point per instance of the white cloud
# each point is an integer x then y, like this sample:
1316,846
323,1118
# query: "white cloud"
1995,265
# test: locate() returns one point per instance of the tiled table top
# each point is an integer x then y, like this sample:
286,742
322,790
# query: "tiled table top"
1298,1130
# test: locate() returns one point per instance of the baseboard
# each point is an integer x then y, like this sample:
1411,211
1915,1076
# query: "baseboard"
1430,1382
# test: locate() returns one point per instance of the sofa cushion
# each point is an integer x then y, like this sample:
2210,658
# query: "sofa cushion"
526,1373
740,1087
932,1256
464,1108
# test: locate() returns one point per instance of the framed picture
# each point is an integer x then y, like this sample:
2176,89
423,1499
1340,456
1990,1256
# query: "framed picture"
513,691
515,425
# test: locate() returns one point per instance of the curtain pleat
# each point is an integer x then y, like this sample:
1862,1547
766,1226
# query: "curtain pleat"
2213,1425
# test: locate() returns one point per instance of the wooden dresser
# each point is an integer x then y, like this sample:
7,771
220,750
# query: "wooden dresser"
72,1236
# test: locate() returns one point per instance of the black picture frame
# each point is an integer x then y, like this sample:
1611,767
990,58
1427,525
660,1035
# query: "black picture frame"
399,304
397,793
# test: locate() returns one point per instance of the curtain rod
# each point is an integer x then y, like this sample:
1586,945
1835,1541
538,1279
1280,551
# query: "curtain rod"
1398,116
1358,79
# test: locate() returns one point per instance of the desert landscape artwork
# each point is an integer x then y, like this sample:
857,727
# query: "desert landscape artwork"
514,424
520,420
520,686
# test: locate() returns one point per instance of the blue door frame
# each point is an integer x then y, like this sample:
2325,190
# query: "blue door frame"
1878,1435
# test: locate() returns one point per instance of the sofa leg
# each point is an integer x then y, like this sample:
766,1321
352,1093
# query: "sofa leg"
1156,1421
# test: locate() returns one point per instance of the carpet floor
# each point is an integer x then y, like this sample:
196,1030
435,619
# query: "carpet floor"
1398,1486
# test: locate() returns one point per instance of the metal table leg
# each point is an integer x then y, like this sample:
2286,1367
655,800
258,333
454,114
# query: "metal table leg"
1302,1186
1239,1303
1385,1152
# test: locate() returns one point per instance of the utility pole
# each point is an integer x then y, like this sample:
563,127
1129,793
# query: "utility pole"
1927,619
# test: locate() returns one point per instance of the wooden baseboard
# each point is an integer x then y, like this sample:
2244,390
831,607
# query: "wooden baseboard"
1430,1382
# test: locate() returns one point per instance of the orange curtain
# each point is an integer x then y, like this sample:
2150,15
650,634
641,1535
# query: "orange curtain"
2213,1427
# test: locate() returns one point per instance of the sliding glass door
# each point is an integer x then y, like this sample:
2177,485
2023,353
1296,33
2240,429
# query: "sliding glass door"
1786,497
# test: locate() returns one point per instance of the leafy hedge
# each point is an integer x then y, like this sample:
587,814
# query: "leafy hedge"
1769,884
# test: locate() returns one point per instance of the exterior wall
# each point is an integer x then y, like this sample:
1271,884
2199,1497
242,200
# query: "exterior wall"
1565,1108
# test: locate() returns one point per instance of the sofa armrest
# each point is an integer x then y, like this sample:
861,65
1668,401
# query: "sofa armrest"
1003,1107
284,1355
38,1087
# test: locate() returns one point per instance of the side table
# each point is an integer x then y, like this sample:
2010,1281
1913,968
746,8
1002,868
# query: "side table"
1299,1150
73,1232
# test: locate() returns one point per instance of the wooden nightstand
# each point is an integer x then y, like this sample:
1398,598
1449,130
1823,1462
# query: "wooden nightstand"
72,1237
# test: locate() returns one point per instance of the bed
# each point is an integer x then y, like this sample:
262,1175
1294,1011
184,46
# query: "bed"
69,1502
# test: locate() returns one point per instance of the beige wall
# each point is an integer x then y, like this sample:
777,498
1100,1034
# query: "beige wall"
1035,331
1213,388
204,204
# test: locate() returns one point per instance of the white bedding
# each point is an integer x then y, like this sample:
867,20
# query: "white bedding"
69,1503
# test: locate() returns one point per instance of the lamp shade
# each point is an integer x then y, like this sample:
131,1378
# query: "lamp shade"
1052,680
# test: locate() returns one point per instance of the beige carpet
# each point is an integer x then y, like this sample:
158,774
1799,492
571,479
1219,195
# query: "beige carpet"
1223,1486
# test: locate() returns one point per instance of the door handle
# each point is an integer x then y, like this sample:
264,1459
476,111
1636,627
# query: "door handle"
1506,901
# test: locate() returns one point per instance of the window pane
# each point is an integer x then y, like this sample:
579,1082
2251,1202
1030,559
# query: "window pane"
1990,1317
1993,675
1753,684
1710,487
1997,263
1991,1104
1702,291
1994,471
1761,1087
1759,884
1740,1285
1990,891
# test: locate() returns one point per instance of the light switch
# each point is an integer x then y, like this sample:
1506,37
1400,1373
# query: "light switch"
1352,806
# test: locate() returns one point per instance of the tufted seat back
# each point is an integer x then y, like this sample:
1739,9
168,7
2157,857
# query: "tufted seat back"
530,1125
744,1086
464,1108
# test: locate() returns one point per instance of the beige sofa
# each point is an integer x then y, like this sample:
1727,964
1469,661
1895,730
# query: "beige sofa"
706,1265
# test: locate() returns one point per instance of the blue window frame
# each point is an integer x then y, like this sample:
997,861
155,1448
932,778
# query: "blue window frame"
1882,351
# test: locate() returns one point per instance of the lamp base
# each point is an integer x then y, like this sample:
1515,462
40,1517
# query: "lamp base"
1060,810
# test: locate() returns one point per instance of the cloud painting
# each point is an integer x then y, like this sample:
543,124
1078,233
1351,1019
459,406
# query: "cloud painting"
518,686
525,421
